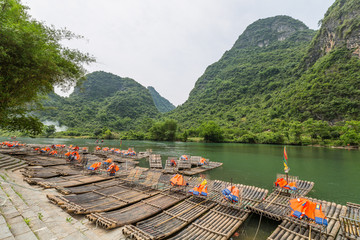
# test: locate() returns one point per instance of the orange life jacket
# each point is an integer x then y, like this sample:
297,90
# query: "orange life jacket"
281,182
113,168
95,166
303,207
177,180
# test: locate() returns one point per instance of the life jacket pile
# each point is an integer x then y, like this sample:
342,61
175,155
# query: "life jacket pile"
231,194
200,189
281,182
95,166
173,162
304,208
129,152
45,150
203,161
184,157
74,154
108,161
53,152
98,148
178,180
12,144
113,168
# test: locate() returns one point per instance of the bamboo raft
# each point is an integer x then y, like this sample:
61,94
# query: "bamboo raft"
219,223
169,221
293,228
276,205
136,212
67,181
88,187
155,161
195,160
44,160
105,199
223,220
183,164
203,168
169,168
350,223
49,172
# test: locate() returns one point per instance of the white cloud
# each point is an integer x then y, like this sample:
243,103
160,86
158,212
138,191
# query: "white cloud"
166,44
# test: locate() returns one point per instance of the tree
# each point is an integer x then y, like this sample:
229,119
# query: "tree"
164,131
32,62
49,130
211,132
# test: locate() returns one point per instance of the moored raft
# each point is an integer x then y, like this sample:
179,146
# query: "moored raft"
136,212
67,181
170,221
223,220
88,187
105,199
293,228
276,205
49,172
350,223
203,168
155,161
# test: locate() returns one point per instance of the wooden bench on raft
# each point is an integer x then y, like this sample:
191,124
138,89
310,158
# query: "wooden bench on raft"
155,161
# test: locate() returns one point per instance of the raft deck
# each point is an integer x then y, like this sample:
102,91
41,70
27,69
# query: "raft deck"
105,199
350,223
223,220
169,221
201,169
276,205
293,228
136,212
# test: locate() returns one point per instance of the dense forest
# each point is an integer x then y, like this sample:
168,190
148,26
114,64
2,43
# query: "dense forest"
280,83
161,103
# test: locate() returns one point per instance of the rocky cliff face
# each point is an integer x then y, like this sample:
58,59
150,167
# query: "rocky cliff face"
340,28
265,31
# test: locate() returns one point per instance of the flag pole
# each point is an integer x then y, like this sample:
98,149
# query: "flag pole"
286,168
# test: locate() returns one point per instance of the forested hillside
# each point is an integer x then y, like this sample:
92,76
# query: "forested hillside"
162,104
284,83
103,101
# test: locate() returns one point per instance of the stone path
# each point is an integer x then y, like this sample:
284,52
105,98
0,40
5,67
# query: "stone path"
26,213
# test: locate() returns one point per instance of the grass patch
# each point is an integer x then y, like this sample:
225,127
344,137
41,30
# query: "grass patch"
9,226
27,221
69,219
19,194
40,216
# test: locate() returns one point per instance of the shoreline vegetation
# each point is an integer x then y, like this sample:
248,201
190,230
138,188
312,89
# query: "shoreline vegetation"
309,133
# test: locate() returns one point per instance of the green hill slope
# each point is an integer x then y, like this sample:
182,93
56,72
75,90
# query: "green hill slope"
245,82
162,104
103,101
284,83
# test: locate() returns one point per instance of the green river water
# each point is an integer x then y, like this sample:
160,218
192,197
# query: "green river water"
335,172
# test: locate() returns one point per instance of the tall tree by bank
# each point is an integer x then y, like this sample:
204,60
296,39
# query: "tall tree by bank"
32,62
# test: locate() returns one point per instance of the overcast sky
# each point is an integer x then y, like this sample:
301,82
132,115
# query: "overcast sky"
166,44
